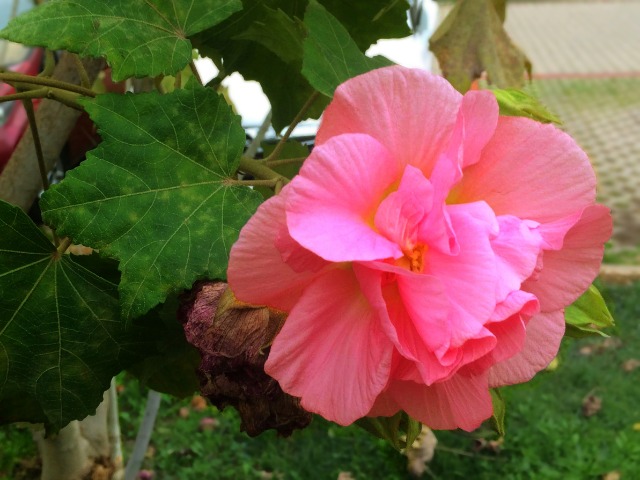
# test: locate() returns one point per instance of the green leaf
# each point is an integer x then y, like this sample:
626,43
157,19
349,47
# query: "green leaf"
242,43
60,337
277,32
517,103
155,194
330,54
472,40
138,37
400,430
588,315
172,366
499,411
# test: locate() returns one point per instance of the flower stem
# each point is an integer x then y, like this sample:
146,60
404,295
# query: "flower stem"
259,170
84,77
298,118
284,161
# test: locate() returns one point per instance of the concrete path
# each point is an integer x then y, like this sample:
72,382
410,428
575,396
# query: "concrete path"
586,60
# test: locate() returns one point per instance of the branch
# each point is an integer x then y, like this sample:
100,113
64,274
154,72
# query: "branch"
259,170
13,78
298,118
20,182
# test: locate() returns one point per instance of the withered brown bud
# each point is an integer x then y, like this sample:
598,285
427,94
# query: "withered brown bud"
234,339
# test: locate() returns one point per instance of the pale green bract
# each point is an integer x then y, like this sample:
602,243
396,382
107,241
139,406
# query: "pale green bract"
138,38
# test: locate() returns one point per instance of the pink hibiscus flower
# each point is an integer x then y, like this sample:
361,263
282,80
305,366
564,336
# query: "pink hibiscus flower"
425,252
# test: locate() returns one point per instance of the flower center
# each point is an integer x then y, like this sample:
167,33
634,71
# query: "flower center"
413,259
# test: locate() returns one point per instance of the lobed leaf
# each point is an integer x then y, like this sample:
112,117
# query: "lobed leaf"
137,37
155,195
61,340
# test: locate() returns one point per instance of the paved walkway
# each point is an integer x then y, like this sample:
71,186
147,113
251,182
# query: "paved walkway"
586,60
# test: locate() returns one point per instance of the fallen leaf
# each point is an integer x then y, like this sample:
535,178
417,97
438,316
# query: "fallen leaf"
421,452
591,404
472,40
198,403
586,350
630,365
345,476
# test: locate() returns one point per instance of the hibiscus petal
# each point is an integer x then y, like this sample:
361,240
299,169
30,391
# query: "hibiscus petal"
331,351
257,273
568,272
330,212
529,170
400,214
411,112
460,402
508,325
517,247
544,333
469,278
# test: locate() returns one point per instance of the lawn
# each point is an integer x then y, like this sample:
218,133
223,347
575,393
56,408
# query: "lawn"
548,437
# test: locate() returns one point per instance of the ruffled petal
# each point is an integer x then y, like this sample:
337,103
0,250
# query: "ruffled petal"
460,402
544,333
257,273
330,212
568,272
469,278
517,248
508,326
400,214
331,351
411,112
529,170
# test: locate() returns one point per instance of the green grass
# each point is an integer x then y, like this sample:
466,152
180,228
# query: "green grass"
547,435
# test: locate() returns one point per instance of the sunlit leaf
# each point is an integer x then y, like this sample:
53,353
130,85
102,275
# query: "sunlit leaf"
137,37
155,195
